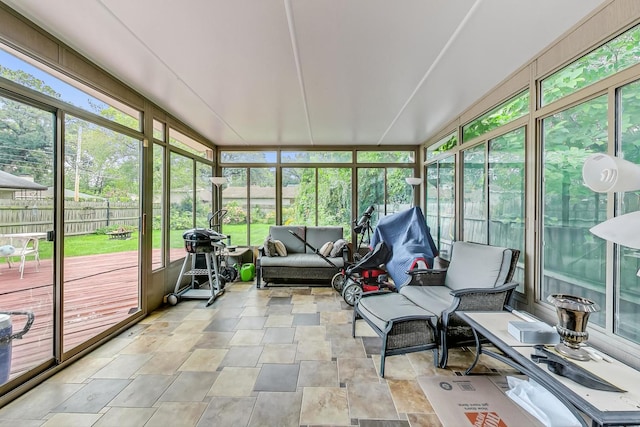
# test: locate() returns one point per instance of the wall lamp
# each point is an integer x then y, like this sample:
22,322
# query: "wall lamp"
603,173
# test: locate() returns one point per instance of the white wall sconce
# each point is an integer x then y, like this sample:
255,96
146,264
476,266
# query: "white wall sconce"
604,174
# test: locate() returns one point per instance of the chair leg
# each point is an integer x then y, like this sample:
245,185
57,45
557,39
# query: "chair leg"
445,351
383,353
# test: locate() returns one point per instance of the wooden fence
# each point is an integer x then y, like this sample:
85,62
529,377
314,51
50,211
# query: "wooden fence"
83,217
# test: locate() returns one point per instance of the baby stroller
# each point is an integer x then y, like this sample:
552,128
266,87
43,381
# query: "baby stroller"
364,276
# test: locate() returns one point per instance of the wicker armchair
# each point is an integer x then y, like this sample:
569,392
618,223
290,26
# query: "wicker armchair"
479,278
422,315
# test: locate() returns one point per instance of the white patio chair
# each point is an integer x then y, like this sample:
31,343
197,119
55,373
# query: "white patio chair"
24,247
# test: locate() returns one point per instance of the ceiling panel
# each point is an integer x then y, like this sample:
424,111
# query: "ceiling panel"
300,72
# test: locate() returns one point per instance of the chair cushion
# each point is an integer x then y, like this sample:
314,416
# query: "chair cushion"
326,249
318,236
474,265
435,298
337,247
281,249
382,308
301,261
6,250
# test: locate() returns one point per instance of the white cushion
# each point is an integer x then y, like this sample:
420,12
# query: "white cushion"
7,250
281,249
326,249
474,265
337,247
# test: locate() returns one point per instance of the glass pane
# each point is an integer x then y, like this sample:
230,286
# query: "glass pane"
386,157
234,200
334,198
190,145
573,258
399,192
247,156
157,260
371,192
263,204
474,201
316,156
506,195
442,146
610,58
101,236
446,205
158,130
299,196
204,193
27,137
504,113
29,73
627,284
431,196
180,202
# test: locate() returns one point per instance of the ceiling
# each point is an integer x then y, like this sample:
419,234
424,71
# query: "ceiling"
303,72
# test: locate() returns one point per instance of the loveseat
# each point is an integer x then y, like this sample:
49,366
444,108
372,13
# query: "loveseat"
291,261
422,314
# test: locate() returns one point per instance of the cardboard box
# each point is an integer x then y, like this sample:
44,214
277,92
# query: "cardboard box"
474,401
533,332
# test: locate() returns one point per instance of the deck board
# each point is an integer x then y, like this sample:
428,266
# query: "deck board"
99,291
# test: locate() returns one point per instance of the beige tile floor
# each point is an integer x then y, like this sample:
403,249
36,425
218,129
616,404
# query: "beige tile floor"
277,356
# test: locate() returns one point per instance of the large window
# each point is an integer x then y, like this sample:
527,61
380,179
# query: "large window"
627,283
440,208
573,257
474,206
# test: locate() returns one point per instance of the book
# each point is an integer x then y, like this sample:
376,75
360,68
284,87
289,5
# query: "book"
533,332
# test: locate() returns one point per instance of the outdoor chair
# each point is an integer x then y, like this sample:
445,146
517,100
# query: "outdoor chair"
478,278
21,247
422,314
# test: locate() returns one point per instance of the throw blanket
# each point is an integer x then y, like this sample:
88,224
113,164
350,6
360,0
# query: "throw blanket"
409,237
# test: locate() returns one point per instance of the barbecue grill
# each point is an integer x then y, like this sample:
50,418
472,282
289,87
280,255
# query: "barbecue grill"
201,240
207,244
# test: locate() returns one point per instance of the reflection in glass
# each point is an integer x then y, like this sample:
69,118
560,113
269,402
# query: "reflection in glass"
627,284
157,260
474,204
573,258
101,235
181,204
506,195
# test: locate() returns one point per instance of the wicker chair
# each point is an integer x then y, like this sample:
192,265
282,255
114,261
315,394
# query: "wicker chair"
423,312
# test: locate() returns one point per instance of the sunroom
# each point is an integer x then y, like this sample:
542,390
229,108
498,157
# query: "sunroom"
311,112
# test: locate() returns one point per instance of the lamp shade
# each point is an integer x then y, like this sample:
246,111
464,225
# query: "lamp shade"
218,180
603,173
623,230
413,180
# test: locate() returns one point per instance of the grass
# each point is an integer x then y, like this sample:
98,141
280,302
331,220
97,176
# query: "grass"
93,244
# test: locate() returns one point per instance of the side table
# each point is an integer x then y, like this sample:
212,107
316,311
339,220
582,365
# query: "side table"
604,408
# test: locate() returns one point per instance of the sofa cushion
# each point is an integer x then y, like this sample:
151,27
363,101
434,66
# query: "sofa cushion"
318,236
474,265
381,308
435,298
281,249
338,245
300,261
293,245
326,249
269,247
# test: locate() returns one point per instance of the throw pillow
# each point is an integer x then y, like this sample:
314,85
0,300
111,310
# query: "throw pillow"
7,250
337,247
269,247
281,249
326,249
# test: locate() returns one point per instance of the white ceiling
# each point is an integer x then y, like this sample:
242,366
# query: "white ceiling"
310,72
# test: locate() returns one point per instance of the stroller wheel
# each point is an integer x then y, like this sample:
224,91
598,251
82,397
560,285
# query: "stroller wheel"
338,281
352,293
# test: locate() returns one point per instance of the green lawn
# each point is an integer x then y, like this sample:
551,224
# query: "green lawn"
91,244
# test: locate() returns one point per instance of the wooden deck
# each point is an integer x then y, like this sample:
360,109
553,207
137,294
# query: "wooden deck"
99,291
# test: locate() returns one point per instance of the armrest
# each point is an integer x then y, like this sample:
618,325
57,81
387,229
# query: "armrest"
481,299
498,289
427,277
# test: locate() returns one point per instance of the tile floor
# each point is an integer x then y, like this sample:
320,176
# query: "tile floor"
280,356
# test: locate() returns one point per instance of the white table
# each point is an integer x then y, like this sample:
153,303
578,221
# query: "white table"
605,408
